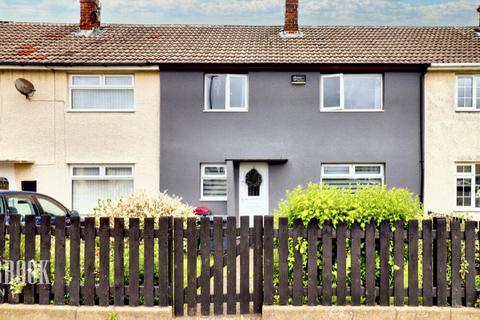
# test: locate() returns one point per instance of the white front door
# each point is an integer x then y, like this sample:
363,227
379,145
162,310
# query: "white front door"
253,189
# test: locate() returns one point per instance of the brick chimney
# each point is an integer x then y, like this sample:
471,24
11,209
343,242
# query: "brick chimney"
89,15
290,29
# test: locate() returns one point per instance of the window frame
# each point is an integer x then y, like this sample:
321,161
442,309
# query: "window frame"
227,92
102,172
101,86
466,175
473,108
351,173
204,176
341,108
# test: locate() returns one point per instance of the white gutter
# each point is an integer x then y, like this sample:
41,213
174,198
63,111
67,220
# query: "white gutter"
80,68
454,66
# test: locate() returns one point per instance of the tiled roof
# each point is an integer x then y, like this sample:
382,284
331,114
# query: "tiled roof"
39,43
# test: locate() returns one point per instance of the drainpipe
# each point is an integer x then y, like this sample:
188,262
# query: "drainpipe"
422,134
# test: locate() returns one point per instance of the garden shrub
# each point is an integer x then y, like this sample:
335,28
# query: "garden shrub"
366,205
141,205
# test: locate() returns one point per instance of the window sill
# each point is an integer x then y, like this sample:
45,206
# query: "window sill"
213,200
351,111
467,110
467,210
99,111
225,111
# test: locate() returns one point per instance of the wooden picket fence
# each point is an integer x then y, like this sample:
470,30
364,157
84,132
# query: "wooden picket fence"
231,267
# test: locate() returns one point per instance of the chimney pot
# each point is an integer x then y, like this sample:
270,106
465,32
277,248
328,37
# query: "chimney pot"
290,29
89,15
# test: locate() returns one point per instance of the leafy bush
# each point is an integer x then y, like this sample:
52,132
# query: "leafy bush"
366,205
142,206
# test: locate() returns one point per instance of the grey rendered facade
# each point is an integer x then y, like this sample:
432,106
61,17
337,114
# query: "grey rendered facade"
284,127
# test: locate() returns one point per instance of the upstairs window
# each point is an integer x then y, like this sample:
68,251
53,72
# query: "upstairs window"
467,96
351,92
351,175
101,93
226,92
214,182
468,186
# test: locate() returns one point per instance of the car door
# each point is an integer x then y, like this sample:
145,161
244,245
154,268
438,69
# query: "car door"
51,207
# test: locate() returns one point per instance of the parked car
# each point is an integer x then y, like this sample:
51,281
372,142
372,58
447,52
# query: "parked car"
31,203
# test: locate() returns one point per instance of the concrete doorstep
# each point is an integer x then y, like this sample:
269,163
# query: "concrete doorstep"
368,313
37,312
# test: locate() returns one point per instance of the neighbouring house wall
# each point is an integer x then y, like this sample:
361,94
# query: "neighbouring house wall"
450,137
44,131
284,121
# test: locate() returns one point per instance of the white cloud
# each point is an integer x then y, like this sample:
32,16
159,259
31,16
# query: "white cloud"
441,12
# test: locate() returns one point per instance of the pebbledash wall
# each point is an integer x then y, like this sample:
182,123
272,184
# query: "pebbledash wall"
285,122
40,138
450,137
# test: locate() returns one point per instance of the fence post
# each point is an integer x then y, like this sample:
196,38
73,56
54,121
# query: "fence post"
60,261
205,244
427,257
258,264
148,261
268,260
218,265
470,289
119,266
456,261
3,288
384,263
312,262
244,264
133,263
178,292
165,259
327,264
413,263
399,263
45,244
89,288
297,297
370,264
191,266
104,274
231,265
356,233
341,264
74,288
29,290
283,260
441,272
15,232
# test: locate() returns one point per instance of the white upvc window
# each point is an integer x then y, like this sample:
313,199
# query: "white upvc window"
91,183
351,175
467,93
102,93
467,179
213,183
351,92
226,92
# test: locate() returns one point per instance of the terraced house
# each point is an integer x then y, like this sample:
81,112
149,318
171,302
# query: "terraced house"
229,117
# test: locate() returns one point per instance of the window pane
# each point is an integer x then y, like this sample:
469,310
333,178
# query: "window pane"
238,92
118,171
214,170
368,169
50,207
20,205
215,95
86,81
331,92
464,192
336,170
352,183
104,99
118,81
464,92
86,193
362,92
214,188
86,171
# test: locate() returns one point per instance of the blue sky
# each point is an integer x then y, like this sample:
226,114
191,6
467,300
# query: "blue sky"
312,12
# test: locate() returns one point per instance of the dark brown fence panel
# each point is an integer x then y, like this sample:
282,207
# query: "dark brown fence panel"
341,264
14,251
283,261
3,287
205,265
29,290
456,260
427,270
244,265
74,288
133,263
165,259
297,297
89,262
218,265
470,290
370,264
104,272
45,243
231,265
399,263
327,264
257,264
191,294
441,272
148,262
384,264
178,292
268,260
60,261
356,289
413,263
119,266
312,262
